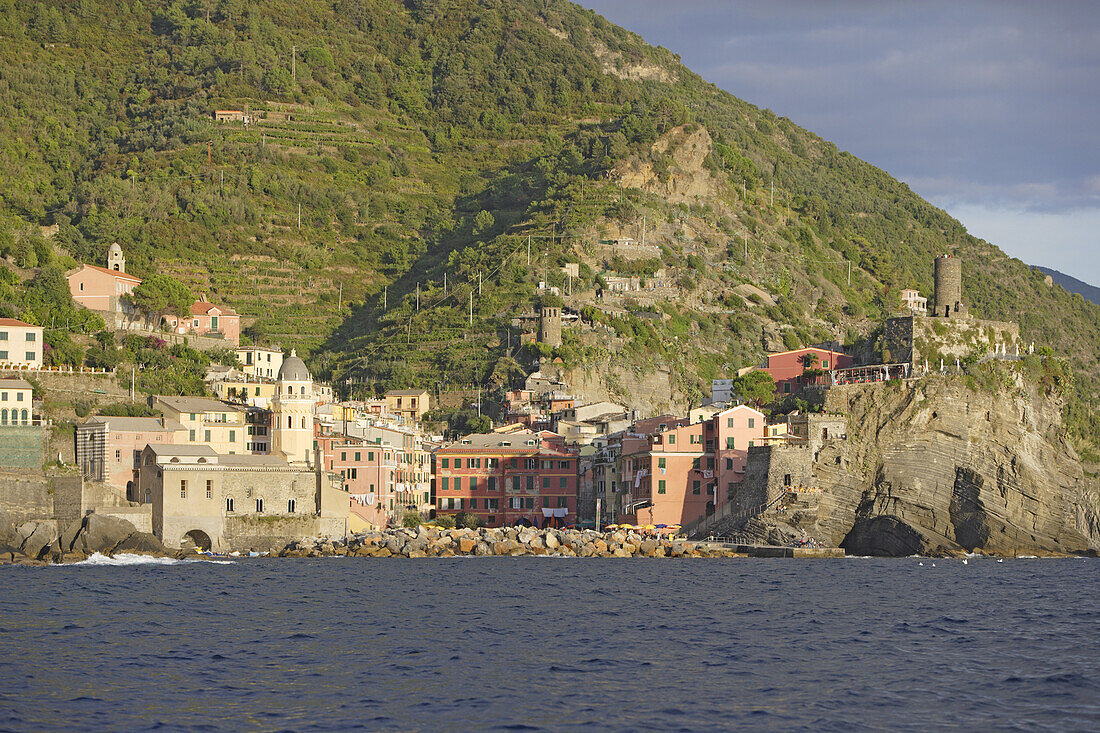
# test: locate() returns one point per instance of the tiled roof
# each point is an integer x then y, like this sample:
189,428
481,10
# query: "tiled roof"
114,273
17,323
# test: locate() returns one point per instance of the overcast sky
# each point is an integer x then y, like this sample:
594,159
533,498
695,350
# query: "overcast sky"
990,110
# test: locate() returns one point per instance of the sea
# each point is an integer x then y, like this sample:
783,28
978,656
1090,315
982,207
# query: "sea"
528,644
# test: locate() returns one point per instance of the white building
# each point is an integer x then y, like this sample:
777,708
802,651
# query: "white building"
20,344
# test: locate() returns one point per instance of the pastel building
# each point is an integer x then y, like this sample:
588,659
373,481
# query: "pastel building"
788,367
104,288
504,479
20,344
292,410
215,321
681,473
410,404
108,448
16,402
208,422
260,361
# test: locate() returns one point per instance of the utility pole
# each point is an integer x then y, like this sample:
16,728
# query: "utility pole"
849,273
208,152
772,199
479,282
263,140
340,301
528,250
643,231
385,297
746,238
471,307
418,297
293,63
299,216
221,182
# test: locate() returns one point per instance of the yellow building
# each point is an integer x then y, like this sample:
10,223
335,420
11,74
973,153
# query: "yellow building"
260,361
20,344
208,422
16,397
292,412
410,404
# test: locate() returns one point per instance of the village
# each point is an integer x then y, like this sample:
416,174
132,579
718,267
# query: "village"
271,455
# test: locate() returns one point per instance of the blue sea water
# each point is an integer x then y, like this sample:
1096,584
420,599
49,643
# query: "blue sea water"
552,644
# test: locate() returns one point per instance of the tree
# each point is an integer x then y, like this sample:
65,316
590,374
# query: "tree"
757,388
809,360
160,294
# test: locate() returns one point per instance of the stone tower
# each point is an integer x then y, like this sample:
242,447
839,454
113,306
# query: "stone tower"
115,261
948,297
550,325
292,411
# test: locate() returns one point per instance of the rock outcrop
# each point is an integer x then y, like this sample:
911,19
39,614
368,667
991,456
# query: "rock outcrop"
40,541
938,467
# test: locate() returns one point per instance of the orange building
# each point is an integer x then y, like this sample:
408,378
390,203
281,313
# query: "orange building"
103,288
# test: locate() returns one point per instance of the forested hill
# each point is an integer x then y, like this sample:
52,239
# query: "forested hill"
396,144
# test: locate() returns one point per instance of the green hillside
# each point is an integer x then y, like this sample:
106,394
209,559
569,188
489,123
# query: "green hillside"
424,140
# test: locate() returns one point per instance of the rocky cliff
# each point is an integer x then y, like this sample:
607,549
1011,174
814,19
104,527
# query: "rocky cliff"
938,466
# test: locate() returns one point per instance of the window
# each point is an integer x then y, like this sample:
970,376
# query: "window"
729,422
515,483
786,479
30,356
729,464
183,489
786,388
695,487
672,440
752,422
229,503
546,502
473,483
751,443
343,456
3,335
696,463
248,493
443,462
546,482
824,363
357,454
513,463
473,503
563,502
458,483
259,506
492,483
30,337
660,463
730,443
370,457
290,506
209,489
563,483
118,454
530,483
207,438
710,463
232,436
661,486
563,464
444,484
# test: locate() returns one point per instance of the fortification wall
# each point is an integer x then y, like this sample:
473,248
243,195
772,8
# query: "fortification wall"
23,446
25,496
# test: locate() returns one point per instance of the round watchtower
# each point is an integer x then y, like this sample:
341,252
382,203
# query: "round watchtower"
550,325
948,296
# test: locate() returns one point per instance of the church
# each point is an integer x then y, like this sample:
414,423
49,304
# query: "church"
225,502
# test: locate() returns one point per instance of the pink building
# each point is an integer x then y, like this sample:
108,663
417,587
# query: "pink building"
787,367
218,321
108,449
100,289
681,473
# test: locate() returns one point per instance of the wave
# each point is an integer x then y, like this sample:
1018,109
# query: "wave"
97,559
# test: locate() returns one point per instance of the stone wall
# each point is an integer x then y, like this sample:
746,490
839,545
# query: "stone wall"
912,339
272,533
25,496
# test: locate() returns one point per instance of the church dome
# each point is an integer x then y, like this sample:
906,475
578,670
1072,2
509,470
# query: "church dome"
114,249
294,369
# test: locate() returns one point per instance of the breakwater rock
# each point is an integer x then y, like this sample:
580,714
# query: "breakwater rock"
39,542
429,541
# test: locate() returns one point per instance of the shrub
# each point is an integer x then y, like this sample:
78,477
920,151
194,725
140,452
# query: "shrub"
445,521
465,520
411,520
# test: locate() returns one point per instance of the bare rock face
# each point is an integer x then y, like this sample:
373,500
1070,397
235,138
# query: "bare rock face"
935,467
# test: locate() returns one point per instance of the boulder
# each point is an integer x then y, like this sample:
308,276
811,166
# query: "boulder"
141,543
551,540
102,533
483,550
38,541
648,547
466,545
525,535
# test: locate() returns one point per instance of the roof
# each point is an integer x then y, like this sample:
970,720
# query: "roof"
17,323
494,440
294,369
112,273
136,424
169,449
807,348
270,349
406,392
196,404
13,383
251,460
203,307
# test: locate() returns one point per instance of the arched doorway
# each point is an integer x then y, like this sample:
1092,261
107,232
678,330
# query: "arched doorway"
196,538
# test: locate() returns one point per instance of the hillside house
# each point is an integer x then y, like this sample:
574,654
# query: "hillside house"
20,344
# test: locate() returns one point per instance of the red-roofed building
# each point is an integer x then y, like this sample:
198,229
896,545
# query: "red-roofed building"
20,344
215,321
102,288
787,367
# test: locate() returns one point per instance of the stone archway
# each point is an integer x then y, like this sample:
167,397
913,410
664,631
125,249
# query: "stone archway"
196,538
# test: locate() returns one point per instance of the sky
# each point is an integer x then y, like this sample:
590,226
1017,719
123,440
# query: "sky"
989,110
